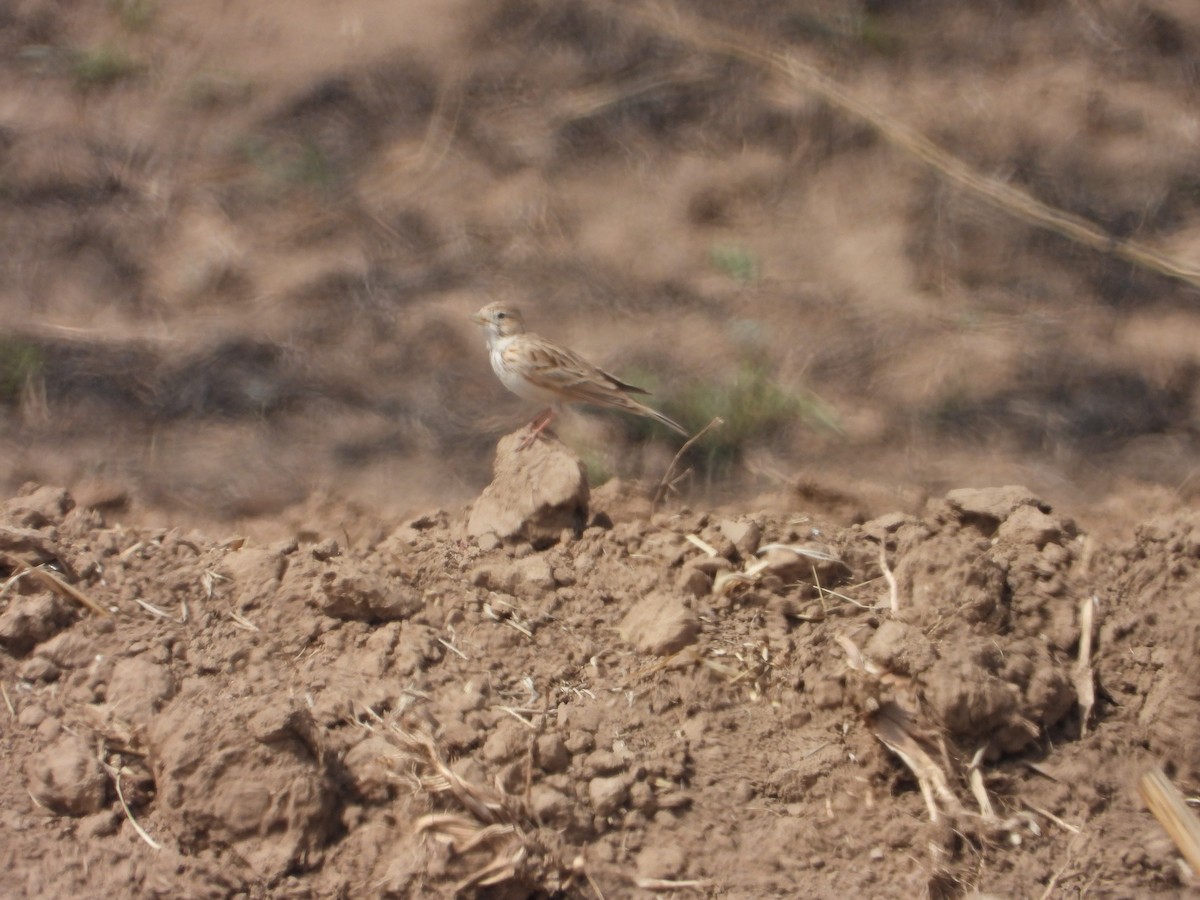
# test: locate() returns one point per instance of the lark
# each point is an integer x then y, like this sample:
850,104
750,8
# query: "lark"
539,370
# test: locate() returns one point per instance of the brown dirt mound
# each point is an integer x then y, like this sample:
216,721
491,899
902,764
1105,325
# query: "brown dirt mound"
668,701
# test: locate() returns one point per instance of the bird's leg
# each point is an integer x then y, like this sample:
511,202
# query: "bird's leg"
536,427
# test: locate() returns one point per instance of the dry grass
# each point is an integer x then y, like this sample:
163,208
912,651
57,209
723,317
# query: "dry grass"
1172,811
467,817
54,583
670,480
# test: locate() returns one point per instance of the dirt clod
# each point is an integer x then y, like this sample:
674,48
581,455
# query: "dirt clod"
608,794
536,493
67,778
310,709
138,688
264,794
30,620
349,592
660,624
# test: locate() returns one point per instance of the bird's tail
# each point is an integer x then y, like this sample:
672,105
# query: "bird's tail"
669,422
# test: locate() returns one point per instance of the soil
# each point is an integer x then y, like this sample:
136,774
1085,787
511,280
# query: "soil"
283,610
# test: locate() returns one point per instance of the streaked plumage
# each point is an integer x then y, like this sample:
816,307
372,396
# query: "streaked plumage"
540,370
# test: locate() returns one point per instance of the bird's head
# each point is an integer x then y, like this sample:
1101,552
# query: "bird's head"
500,320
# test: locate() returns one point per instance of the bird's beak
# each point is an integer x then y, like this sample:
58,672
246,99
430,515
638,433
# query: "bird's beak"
479,318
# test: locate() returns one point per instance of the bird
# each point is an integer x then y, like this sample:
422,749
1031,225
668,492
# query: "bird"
542,371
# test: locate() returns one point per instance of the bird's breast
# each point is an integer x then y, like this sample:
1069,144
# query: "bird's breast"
503,358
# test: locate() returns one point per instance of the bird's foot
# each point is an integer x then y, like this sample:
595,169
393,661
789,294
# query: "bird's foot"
536,428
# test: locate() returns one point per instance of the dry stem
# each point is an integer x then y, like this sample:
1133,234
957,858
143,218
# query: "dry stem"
667,483
1172,812
893,591
60,587
1083,676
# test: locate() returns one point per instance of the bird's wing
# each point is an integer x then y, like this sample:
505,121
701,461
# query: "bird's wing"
566,373
627,388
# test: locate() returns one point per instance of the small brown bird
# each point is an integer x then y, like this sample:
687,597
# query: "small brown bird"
536,369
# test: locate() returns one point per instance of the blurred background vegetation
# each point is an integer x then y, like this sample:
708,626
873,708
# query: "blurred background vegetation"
241,245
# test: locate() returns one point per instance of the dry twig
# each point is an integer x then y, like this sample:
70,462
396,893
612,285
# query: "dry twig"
893,591
1172,812
449,646
1061,823
667,482
8,701
668,884
1083,676
60,587
115,775
890,726
978,788
489,821
706,548
163,614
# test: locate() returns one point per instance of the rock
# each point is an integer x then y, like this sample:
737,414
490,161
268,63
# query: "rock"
457,737
799,563
30,620
744,535
38,669
534,576
996,504
31,716
693,582
608,794
1029,525
351,592
880,527
68,650
137,689
900,648
535,494
550,807
661,861
552,754
642,798
488,542
67,778
618,494
286,723
500,577
602,762
37,507
828,694
970,702
326,550
660,624
508,741
255,573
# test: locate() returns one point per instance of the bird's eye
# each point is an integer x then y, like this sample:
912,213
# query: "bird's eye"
501,315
